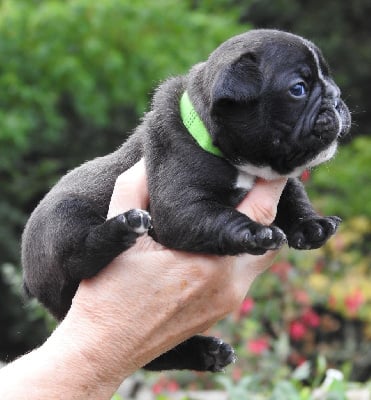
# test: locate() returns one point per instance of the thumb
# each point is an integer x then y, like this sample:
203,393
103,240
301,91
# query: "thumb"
130,191
261,202
261,206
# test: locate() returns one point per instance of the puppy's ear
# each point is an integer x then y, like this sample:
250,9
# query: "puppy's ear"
239,82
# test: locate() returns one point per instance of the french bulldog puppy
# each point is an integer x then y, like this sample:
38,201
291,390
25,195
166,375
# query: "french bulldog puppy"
263,105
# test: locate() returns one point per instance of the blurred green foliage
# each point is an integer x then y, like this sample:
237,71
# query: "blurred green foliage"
343,186
100,55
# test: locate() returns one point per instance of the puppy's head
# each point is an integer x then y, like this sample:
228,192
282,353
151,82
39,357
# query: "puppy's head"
272,107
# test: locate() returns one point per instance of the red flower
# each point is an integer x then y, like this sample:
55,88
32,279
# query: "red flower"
281,269
247,306
297,330
354,301
311,318
163,385
258,346
305,176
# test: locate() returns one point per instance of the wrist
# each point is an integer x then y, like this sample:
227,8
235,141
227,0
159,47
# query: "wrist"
108,336
96,348
85,360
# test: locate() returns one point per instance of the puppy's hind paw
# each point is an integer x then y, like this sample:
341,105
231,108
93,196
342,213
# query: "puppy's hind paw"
138,220
218,355
258,239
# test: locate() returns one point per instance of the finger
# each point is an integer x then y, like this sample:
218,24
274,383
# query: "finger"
130,191
248,267
261,202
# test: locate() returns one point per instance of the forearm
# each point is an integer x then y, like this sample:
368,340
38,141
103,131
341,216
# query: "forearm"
58,370
85,358
105,337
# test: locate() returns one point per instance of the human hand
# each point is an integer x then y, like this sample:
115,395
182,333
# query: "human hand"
150,298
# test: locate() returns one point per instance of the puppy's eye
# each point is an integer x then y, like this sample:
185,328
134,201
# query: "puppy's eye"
298,90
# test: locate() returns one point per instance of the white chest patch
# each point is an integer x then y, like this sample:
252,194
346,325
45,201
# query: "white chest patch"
244,180
247,173
266,173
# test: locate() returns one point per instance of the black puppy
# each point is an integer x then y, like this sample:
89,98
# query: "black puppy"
263,105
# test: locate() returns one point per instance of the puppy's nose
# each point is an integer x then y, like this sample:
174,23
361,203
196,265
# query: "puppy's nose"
332,94
333,99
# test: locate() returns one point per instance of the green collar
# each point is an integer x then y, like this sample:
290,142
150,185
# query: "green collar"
196,127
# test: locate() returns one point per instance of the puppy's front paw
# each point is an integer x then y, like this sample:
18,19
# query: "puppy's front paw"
313,233
138,220
217,354
259,238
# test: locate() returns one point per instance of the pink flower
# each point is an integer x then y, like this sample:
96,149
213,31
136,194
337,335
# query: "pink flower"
237,374
247,306
163,385
354,301
172,386
258,346
297,330
311,318
302,297
158,388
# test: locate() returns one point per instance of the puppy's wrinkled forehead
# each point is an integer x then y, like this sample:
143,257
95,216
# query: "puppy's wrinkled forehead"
284,48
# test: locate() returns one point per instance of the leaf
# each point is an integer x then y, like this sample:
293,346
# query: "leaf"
302,372
116,396
284,390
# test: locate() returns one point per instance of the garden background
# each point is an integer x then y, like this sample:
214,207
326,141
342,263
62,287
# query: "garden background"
75,77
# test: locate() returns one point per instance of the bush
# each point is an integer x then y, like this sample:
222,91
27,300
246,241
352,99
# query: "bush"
343,186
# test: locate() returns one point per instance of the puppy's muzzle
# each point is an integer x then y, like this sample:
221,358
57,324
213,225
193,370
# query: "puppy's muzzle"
345,117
